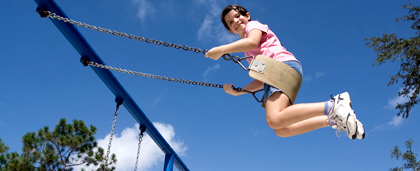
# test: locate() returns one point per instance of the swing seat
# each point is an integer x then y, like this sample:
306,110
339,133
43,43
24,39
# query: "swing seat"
277,74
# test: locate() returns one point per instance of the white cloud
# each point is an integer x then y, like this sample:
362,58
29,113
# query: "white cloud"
156,101
206,27
396,120
144,8
394,123
200,1
319,74
392,103
225,37
125,147
256,132
306,78
159,97
210,69
211,27
213,6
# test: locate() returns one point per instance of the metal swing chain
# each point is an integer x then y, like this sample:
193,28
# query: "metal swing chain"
51,15
142,129
226,57
121,34
154,76
112,132
169,78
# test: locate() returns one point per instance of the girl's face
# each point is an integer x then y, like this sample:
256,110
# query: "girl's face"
237,22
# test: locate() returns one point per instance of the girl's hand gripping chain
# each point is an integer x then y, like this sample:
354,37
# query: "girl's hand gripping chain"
214,53
229,90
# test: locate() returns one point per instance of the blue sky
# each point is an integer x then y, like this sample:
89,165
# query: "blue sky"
42,81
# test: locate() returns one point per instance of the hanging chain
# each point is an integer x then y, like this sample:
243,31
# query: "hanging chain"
226,57
142,129
153,76
112,131
51,15
123,35
169,78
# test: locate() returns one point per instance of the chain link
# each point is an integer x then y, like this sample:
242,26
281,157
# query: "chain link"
153,76
112,134
125,35
226,57
170,79
51,15
142,129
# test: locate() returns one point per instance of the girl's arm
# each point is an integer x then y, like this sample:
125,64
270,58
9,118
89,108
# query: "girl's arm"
242,45
253,86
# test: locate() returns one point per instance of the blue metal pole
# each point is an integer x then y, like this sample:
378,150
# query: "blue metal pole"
169,162
86,51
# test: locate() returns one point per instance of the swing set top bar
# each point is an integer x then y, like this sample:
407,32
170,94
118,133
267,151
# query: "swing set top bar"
86,52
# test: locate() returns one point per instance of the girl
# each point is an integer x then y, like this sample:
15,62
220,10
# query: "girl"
286,119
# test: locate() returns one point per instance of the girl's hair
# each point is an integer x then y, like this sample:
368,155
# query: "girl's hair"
229,8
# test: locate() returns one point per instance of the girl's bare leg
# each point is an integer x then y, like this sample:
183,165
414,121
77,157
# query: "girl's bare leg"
304,126
280,114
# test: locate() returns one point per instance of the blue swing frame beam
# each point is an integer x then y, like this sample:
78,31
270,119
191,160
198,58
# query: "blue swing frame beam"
87,53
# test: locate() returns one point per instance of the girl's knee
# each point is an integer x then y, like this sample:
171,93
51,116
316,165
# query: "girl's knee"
284,132
273,120
274,123
275,106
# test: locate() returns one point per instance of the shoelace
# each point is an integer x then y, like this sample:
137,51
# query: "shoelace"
339,126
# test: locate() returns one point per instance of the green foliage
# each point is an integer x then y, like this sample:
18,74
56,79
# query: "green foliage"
3,158
3,147
12,161
18,163
61,149
408,156
390,47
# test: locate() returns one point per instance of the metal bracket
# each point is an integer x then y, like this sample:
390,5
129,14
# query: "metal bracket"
43,12
118,100
257,65
84,60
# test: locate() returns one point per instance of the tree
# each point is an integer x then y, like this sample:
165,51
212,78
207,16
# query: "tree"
3,158
390,47
66,146
408,156
12,161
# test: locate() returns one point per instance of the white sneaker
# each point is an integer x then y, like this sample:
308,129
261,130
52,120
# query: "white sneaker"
343,115
360,131
339,127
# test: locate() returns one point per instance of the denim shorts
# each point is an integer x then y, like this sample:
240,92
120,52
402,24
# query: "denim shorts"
269,90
